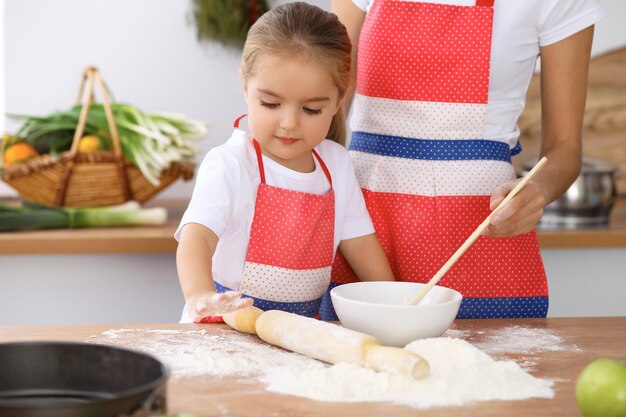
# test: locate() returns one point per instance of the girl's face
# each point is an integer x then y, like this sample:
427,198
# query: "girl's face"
291,103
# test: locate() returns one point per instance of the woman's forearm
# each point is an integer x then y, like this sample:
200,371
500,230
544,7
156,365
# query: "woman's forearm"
564,71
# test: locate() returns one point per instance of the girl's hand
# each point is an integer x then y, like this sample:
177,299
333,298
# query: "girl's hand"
518,216
216,304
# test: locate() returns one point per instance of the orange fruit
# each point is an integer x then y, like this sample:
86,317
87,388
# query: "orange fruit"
18,152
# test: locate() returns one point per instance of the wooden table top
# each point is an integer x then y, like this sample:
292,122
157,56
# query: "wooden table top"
209,395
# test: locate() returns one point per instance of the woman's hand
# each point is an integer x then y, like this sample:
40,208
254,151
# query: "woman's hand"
518,216
216,304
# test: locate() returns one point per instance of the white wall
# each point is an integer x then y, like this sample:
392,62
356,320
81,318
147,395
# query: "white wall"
148,53
123,289
79,289
2,37
146,50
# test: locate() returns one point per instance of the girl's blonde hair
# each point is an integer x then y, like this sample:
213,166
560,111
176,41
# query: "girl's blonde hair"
296,28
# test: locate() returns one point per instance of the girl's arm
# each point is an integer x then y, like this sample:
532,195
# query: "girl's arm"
564,68
367,258
352,17
193,262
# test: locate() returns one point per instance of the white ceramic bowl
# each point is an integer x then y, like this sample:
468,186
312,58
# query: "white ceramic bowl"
380,309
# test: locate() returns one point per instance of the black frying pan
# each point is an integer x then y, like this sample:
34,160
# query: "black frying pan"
57,379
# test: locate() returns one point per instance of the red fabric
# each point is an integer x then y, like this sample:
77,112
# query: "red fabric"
292,229
259,159
323,166
405,62
438,53
291,244
237,120
211,319
424,232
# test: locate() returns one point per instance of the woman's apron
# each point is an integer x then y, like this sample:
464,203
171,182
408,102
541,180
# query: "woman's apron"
290,253
425,168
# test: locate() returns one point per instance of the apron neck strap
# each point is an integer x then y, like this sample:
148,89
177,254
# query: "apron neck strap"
324,168
484,3
236,124
259,158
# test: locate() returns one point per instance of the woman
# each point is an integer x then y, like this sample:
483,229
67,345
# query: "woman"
439,88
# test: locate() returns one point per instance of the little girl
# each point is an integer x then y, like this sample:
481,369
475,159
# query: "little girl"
270,207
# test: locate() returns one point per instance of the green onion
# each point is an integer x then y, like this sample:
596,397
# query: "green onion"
36,216
151,141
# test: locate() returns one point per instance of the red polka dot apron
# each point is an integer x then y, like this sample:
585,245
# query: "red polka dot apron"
425,168
291,248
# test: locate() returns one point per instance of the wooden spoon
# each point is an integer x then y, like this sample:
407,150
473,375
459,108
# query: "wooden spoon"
455,257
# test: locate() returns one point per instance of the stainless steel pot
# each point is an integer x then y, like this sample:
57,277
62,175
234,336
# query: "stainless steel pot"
587,202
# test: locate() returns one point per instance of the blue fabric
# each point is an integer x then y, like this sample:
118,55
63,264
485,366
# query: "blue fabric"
431,149
517,149
303,308
327,310
488,308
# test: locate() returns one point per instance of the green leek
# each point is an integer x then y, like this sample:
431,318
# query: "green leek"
151,141
36,216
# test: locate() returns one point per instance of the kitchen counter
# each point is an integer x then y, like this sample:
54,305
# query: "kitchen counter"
209,395
159,239
144,239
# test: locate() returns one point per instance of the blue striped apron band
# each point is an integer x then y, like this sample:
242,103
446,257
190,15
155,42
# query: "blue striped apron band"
327,310
304,308
514,307
431,149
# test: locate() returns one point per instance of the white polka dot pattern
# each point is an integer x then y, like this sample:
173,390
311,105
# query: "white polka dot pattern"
455,2
291,247
388,174
419,234
284,285
420,155
418,119
292,229
425,52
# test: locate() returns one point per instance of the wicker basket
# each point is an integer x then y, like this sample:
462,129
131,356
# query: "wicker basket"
100,178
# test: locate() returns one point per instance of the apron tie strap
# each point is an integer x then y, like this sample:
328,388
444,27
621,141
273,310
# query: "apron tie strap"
484,3
236,124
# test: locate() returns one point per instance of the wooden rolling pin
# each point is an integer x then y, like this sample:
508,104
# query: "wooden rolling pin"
326,341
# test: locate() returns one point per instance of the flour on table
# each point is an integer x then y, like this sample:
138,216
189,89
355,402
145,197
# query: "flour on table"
460,372
195,352
527,343
520,339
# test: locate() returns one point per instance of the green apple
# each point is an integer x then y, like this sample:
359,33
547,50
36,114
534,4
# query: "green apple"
601,388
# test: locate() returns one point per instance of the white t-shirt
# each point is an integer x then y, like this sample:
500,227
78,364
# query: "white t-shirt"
520,28
225,193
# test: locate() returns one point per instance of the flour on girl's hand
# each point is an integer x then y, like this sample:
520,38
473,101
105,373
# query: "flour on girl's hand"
460,373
